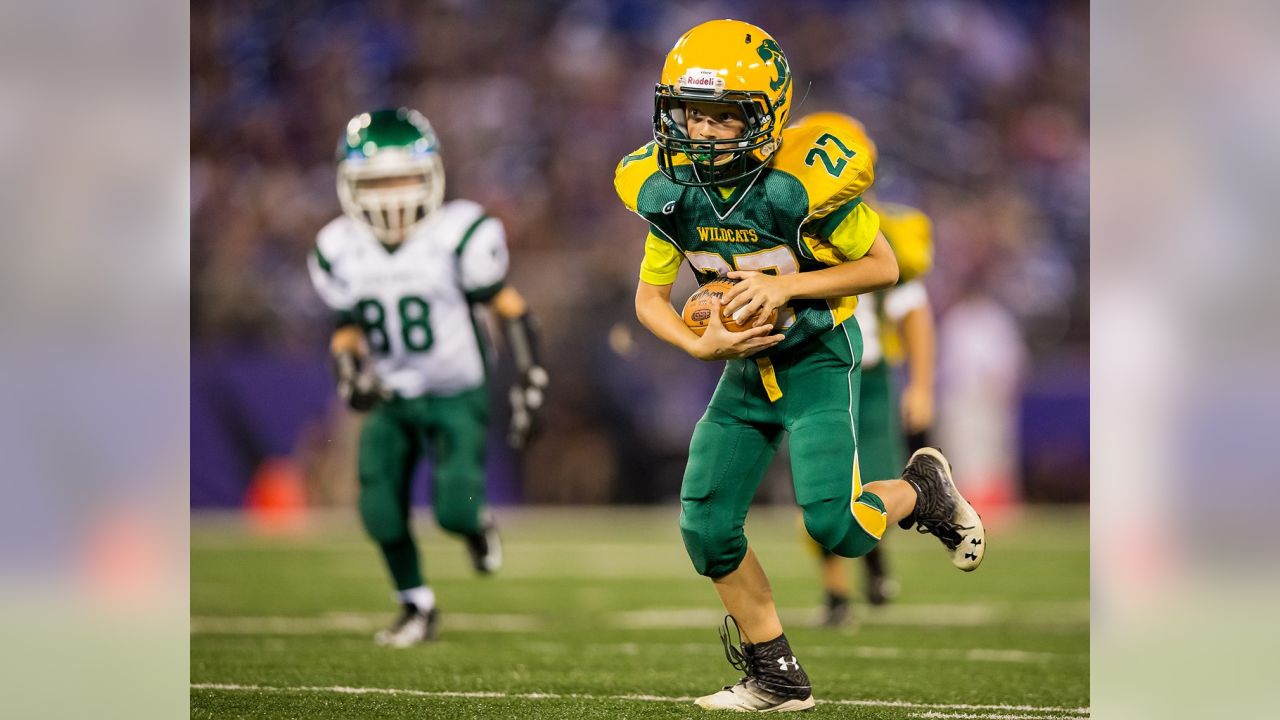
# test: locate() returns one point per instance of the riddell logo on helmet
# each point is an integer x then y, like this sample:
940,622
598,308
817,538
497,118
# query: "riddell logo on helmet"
701,79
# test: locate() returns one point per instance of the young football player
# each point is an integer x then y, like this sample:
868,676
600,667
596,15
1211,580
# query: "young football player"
895,323
403,270
726,189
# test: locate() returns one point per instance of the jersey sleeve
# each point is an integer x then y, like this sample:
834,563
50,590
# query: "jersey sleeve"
902,299
323,265
631,173
483,259
661,264
833,169
851,229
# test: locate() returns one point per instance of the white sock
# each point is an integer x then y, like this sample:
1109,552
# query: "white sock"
422,597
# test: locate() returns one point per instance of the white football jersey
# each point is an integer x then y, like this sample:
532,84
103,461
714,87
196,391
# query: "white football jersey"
897,301
414,302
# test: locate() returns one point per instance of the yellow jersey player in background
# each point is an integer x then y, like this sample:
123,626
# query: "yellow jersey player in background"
727,189
894,323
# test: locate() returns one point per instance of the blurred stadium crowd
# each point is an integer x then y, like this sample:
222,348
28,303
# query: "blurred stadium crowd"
980,111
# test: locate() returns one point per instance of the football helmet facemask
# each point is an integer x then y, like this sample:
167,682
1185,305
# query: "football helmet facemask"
725,62
390,176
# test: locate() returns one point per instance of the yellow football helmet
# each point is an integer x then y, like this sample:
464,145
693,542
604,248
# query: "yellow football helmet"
847,125
730,62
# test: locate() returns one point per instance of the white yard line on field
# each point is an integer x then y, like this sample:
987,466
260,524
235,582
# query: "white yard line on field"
967,716
926,615
845,650
649,698
368,623
903,614
356,623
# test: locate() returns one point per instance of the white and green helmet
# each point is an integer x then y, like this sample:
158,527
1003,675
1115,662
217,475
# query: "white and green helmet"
381,145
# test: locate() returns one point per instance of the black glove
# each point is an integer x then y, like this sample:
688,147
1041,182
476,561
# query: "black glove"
358,386
527,394
526,400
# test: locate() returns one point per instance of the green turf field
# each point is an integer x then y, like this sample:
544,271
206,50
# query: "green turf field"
598,614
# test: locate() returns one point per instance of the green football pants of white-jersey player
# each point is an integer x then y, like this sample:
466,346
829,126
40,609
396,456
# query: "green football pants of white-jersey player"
450,430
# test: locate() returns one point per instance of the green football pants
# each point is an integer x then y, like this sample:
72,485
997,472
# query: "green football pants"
451,431
735,440
882,448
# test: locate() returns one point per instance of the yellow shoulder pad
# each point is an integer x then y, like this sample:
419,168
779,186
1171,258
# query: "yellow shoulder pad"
631,173
910,234
833,167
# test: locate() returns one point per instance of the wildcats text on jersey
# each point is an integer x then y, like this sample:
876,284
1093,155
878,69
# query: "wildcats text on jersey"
723,234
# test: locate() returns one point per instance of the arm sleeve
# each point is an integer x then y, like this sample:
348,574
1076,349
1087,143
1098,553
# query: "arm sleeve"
331,288
851,229
904,298
661,263
483,259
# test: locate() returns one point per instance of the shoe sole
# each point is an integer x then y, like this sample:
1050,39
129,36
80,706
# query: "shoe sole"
969,554
788,706
383,639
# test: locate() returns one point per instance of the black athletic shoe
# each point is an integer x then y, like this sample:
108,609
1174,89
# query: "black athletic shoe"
941,510
835,611
485,547
880,588
411,628
774,680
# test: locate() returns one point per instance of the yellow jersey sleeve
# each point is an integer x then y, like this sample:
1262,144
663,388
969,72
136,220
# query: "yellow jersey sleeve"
834,169
910,233
632,172
661,264
855,229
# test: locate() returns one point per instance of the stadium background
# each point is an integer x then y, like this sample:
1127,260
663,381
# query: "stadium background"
980,110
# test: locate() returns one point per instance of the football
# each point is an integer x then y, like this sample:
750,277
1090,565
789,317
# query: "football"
697,309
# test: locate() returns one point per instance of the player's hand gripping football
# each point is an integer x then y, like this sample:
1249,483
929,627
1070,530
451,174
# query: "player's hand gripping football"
718,343
756,295
527,396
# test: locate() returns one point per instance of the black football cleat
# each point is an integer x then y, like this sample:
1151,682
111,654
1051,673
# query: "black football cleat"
411,628
774,680
485,547
941,510
835,611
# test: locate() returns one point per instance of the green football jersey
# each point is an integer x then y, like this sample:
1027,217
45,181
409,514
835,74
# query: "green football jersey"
779,222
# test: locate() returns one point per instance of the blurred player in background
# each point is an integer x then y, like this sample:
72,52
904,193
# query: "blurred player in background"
725,188
403,270
894,322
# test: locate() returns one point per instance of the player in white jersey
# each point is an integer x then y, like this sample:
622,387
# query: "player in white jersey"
403,269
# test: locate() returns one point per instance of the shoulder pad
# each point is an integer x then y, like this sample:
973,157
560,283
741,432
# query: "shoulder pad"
335,237
632,172
462,208
910,234
832,167
456,221
459,214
